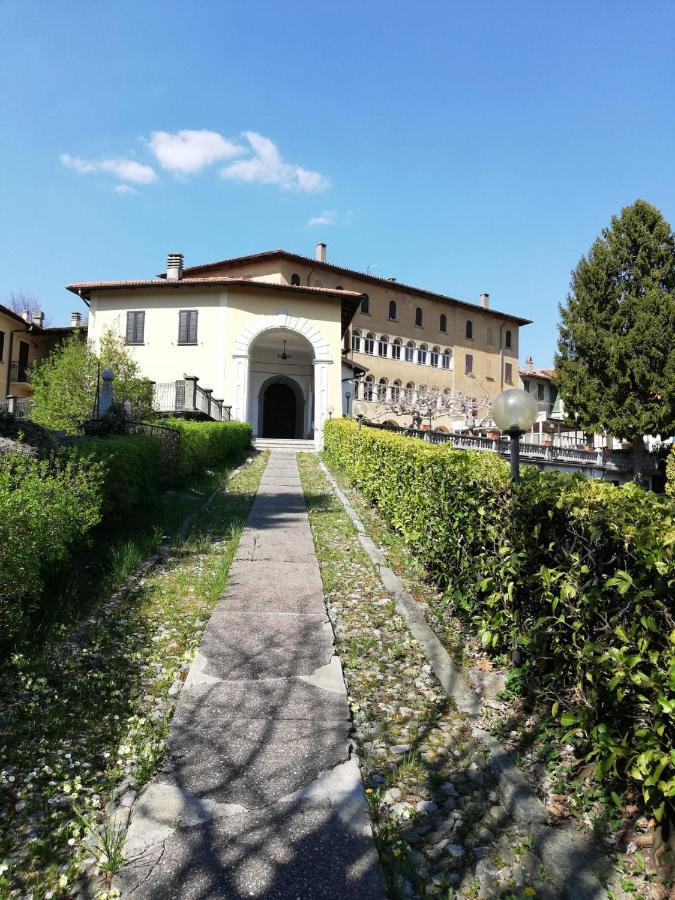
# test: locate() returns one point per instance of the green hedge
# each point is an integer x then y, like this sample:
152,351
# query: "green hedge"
45,508
204,444
670,473
572,576
130,466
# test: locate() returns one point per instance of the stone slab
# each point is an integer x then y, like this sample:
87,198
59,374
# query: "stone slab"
284,545
295,851
268,646
288,587
252,762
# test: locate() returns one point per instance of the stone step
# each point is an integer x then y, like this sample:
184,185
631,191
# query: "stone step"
298,446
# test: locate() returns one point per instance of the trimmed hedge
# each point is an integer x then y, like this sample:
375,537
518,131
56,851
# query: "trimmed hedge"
130,467
204,444
44,509
572,576
670,473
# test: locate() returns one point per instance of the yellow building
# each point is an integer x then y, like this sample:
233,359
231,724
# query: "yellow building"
277,336
24,340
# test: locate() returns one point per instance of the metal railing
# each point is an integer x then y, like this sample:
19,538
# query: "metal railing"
19,372
616,459
186,396
19,407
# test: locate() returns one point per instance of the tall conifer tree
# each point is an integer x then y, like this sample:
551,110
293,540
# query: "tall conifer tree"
615,366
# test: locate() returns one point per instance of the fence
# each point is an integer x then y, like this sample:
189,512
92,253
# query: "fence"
169,441
617,459
19,407
187,396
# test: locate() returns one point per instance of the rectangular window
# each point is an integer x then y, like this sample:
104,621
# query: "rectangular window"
2,345
508,373
135,327
526,385
540,392
187,326
468,364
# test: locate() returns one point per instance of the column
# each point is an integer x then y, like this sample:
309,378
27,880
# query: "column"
240,379
320,399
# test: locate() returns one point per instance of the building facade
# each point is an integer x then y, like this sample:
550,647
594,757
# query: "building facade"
25,340
280,330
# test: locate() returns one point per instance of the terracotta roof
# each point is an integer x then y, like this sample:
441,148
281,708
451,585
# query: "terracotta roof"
37,329
10,312
546,374
349,300
373,279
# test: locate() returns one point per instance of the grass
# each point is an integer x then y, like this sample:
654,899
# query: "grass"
87,706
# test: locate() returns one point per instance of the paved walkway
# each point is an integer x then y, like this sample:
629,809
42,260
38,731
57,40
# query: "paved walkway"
259,796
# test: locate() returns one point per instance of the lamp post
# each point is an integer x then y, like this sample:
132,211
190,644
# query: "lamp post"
331,410
348,397
359,413
514,412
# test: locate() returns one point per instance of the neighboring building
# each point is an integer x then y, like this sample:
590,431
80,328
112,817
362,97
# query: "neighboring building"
24,341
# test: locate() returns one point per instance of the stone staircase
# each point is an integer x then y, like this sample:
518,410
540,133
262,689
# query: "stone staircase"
297,446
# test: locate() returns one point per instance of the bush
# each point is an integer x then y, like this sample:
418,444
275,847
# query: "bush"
574,576
670,473
130,471
44,509
204,444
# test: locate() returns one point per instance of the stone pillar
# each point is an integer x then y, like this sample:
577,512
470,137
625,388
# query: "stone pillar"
191,392
106,396
320,399
240,377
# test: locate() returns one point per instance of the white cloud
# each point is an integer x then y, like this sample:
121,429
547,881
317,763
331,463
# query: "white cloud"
125,189
267,166
327,217
124,169
190,151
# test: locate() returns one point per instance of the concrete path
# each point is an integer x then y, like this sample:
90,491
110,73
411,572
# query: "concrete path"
259,796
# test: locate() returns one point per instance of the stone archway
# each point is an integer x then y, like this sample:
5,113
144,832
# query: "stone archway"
318,402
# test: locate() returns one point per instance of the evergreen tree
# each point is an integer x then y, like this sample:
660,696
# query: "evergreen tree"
615,366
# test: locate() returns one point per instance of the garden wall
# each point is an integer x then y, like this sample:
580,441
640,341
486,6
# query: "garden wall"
573,577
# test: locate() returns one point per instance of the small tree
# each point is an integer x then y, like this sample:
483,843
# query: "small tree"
65,383
615,366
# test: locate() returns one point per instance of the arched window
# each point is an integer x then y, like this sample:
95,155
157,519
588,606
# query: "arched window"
295,279
418,316
396,391
410,351
396,349
507,338
382,345
469,330
369,343
489,336
368,387
446,359
434,356
356,340
392,310
410,390
422,390
365,305
422,355
382,389
444,323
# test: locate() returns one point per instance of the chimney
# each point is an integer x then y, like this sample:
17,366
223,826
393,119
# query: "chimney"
174,267
320,254
25,315
529,364
485,301
75,319
38,319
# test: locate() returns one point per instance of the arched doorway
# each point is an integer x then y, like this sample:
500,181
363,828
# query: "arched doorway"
279,411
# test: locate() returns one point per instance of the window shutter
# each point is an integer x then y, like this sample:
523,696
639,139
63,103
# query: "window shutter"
135,327
469,363
192,329
187,326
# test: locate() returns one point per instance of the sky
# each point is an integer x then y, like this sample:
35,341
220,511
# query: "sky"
461,147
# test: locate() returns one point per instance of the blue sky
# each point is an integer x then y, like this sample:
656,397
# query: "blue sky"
462,147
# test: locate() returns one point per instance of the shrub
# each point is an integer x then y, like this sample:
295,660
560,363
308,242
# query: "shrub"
574,576
204,444
670,473
130,471
45,507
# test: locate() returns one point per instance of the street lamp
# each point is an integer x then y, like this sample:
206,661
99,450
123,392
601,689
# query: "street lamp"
514,412
359,411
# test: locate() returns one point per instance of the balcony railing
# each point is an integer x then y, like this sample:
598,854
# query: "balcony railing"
18,372
186,396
